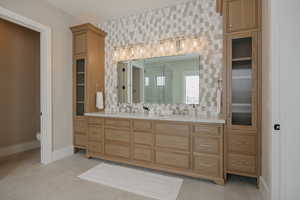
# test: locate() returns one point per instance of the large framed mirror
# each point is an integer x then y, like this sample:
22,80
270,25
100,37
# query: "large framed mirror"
160,80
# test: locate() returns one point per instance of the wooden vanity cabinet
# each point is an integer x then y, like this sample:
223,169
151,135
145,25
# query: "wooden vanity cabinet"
242,85
241,15
192,149
88,77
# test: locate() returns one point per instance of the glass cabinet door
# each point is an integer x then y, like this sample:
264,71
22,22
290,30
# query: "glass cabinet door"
243,81
80,86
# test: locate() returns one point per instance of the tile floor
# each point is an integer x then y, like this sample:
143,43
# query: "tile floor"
24,178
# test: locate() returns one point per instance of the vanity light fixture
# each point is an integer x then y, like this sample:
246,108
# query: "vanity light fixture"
173,46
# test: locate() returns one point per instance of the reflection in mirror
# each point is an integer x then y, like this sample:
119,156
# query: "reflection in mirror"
161,80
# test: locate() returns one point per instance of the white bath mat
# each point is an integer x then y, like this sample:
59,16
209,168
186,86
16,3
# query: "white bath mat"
136,181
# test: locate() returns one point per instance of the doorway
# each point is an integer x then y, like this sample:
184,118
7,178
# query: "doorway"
45,80
19,88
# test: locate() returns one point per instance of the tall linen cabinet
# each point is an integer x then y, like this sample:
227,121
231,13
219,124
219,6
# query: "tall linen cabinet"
88,77
242,83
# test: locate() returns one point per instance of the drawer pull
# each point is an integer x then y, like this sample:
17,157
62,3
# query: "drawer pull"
205,165
205,145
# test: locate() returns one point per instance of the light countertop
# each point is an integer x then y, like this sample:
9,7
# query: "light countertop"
182,118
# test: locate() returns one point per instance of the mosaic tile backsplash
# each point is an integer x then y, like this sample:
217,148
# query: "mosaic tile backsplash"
196,17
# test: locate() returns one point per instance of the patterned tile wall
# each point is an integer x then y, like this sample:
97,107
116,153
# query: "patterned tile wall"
196,17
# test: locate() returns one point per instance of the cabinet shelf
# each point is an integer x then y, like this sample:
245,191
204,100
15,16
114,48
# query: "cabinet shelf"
241,108
241,59
241,77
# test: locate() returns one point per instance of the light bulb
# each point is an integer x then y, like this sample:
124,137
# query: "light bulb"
132,52
116,54
195,43
182,44
172,46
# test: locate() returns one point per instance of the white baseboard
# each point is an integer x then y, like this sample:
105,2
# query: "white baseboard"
264,189
18,148
62,153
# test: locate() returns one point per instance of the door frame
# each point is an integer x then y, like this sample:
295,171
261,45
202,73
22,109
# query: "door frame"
45,78
278,143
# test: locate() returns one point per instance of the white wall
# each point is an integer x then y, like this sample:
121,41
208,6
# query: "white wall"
281,77
289,66
59,22
266,102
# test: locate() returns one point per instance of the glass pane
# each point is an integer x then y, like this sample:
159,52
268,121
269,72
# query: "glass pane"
80,86
146,81
242,48
79,108
192,89
80,93
79,79
160,81
80,65
241,83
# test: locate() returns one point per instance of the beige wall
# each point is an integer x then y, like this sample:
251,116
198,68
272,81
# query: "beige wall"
19,84
59,22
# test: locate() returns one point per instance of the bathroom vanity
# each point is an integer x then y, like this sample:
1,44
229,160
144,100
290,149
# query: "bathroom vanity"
170,77
185,145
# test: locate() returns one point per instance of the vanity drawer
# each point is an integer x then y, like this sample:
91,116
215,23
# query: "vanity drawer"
245,144
172,141
142,154
172,128
142,125
143,138
117,135
206,145
95,147
117,150
172,159
207,130
208,165
80,140
242,163
118,123
80,126
95,133
96,121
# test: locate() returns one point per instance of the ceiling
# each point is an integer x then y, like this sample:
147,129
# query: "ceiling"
97,11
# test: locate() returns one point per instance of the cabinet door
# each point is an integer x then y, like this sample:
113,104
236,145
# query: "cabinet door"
242,81
79,86
79,43
241,15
